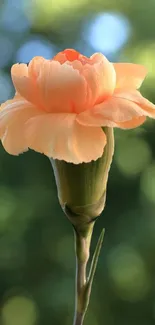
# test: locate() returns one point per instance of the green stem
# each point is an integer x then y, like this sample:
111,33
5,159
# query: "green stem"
82,246
79,285
78,320
83,285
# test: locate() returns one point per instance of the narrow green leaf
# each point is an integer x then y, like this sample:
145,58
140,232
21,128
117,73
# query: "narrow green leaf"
95,261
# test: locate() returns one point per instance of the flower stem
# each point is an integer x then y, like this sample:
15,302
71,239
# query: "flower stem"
83,285
79,285
78,320
82,245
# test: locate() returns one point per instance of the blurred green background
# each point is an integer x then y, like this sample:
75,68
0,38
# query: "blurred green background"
36,241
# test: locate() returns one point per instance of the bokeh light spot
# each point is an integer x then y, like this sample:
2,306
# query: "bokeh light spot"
128,273
13,17
8,49
107,32
143,54
8,205
132,155
6,87
35,47
61,288
19,310
147,184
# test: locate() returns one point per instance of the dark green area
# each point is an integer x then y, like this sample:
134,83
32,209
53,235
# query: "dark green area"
36,240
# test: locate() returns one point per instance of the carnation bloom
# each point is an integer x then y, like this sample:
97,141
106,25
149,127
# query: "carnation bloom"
61,105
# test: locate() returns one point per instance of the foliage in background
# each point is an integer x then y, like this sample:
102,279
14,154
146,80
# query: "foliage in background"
36,241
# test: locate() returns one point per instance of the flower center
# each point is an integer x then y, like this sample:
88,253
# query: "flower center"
71,55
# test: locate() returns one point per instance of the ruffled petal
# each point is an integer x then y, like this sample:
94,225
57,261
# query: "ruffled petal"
123,106
94,118
129,75
13,115
136,97
59,136
61,88
60,57
105,76
110,113
134,123
89,142
101,78
25,85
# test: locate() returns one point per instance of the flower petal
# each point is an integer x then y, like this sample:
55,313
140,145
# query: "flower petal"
129,75
25,85
123,106
13,115
61,88
90,142
136,97
106,76
59,136
134,123
94,118
100,76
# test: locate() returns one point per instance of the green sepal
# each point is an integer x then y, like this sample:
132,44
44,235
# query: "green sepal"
82,187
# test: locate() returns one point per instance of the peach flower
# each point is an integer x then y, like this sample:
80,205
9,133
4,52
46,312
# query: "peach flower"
61,105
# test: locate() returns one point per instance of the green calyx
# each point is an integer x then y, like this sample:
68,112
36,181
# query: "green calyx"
82,187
